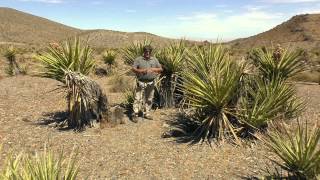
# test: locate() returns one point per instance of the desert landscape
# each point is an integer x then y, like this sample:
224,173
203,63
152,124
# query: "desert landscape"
33,110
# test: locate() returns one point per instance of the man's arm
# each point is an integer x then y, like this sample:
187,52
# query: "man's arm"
158,69
139,71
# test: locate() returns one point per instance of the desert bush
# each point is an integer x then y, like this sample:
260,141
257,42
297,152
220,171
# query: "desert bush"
44,166
299,152
290,63
210,85
70,64
13,68
172,59
109,57
134,50
129,98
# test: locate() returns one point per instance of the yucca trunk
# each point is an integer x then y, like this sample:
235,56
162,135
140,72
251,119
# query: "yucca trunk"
86,101
172,59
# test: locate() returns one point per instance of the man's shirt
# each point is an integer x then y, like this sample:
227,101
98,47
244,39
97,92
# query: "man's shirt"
141,63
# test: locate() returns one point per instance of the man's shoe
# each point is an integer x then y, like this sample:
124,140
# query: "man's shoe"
134,118
148,116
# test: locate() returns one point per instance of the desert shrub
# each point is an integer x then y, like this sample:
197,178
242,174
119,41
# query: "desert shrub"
13,68
299,151
109,57
134,50
70,64
129,99
44,166
172,59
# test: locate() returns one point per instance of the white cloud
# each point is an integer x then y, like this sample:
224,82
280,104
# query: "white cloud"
288,1
45,1
222,26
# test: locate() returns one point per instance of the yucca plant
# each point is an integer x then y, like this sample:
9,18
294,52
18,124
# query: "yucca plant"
210,86
13,68
71,56
289,64
134,50
109,57
172,59
300,151
44,166
70,64
263,102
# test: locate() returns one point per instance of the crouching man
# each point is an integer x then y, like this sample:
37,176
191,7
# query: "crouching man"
146,68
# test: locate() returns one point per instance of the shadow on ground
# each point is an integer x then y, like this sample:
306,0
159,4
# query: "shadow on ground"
54,119
182,129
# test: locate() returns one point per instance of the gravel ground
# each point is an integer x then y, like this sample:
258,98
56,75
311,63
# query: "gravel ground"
128,151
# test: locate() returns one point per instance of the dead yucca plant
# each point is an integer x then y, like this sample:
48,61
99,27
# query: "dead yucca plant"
299,152
172,59
134,50
70,64
86,100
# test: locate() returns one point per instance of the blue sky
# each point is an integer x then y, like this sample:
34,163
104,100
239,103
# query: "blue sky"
191,19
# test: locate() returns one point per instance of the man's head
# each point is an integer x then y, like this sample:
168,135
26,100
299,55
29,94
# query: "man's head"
147,51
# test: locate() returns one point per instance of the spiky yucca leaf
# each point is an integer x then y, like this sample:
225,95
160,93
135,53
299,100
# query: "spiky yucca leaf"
44,166
72,56
172,59
300,152
134,50
288,65
210,85
267,101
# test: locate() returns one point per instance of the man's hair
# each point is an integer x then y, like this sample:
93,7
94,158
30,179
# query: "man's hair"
147,48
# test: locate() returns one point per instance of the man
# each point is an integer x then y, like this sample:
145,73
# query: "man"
146,69
277,53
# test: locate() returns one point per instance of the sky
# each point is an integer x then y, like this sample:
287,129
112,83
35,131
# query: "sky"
220,20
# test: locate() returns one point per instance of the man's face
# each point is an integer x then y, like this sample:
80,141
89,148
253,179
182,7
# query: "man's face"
147,54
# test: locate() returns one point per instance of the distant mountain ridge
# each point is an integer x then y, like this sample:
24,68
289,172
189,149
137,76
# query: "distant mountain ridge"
300,30
26,29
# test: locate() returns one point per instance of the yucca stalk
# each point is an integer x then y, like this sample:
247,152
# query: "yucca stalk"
71,56
10,53
44,166
69,64
263,102
134,50
300,151
172,59
288,65
210,86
